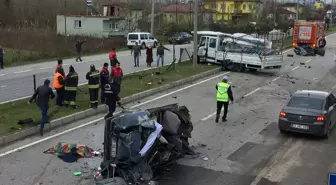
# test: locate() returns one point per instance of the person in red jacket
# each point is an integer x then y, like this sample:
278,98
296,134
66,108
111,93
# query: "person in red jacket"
117,75
113,57
59,65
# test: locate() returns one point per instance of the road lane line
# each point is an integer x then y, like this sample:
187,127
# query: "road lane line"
2,86
295,68
209,116
308,61
102,118
2,74
47,77
45,67
255,90
17,72
275,79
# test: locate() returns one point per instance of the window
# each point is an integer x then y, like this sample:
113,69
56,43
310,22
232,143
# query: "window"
223,6
133,36
212,43
202,42
143,36
78,23
113,26
250,7
151,37
244,6
306,102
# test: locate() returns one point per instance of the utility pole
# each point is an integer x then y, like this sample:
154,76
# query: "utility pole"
297,10
176,11
195,33
152,18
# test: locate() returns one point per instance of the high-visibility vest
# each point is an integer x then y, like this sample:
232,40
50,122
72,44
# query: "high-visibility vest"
222,94
71,82
57,85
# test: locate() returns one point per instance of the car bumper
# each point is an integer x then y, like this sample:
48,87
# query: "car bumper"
313,129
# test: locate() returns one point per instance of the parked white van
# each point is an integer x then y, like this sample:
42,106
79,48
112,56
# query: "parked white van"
142,38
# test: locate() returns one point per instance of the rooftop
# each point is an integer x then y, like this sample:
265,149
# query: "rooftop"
184,8
284,11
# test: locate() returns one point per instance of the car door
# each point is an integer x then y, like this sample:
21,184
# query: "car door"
212,49
202,48
151,39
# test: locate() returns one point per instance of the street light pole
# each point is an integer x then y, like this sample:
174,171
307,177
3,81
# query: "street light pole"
152,18
195,33
176,11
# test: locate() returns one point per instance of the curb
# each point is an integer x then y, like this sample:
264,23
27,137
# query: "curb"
5,140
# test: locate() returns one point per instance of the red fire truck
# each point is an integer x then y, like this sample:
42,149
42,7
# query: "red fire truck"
309,36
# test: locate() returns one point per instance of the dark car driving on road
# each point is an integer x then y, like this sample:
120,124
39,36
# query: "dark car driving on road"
180,38
311,112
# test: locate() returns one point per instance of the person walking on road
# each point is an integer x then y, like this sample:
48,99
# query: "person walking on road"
79,49
104,79
160,55
43,94
149,58
2,53
112,98
71,84
59,86
224,94
136,50
93,77
113,57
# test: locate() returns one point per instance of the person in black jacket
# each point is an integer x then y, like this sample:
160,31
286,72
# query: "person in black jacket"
104,79
112,98
43,94
93,77
71,84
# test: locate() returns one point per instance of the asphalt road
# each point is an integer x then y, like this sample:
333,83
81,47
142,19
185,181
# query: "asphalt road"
246,150
17,82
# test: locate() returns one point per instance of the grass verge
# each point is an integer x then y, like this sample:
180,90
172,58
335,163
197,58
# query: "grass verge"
134,83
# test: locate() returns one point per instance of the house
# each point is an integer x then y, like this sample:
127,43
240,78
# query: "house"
285,14
231,9
319,4
116,20
293,7
184,14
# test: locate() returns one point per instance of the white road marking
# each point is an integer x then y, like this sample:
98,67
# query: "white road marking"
255,90
45,67
209,116
308,61
17,72
275,79
2,86
47,77
2,74
100,119
295,68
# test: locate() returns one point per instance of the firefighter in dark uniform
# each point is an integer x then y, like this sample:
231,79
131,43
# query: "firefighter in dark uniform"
112,98
104,79
93,77
71,84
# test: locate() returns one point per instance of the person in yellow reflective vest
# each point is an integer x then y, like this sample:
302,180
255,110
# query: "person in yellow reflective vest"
224,94
93,77
71,84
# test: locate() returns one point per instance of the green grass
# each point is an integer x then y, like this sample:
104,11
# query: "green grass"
12,112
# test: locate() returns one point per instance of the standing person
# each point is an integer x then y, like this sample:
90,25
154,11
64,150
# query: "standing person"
43,94
93,77
59,86
160,54
117,75
79,49
112,98
136,50
113,57
59,65
2,53
149,58
224,94
71,84
104,79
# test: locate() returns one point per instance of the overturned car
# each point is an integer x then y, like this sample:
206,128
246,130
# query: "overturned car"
139,143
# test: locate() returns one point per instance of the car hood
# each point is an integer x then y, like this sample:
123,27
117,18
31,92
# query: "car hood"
302,111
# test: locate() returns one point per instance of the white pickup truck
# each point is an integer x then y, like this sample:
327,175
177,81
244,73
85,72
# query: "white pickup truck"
235,53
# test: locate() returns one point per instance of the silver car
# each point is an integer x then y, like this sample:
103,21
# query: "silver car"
311,112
